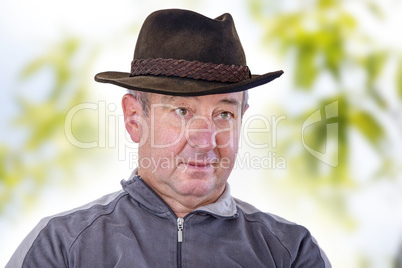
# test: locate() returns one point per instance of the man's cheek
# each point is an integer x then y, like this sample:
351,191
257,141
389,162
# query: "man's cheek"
226,163
166,137
226,138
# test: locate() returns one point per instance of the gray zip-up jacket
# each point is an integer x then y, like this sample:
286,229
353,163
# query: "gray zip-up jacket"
135,228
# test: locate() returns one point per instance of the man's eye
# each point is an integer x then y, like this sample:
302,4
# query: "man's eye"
182,111
226,115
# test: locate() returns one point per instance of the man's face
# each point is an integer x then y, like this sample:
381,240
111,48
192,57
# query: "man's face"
187,145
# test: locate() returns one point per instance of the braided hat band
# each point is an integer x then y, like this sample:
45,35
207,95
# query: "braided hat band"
190,69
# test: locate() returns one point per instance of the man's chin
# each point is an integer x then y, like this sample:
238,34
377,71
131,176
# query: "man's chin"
196,188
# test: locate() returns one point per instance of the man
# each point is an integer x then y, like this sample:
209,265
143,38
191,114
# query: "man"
187,85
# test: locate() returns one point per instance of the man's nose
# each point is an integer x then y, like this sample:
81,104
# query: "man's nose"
201,133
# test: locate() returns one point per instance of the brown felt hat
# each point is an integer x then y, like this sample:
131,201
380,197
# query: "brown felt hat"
183,53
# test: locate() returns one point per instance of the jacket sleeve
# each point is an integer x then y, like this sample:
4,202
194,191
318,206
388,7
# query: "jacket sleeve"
309,254
43,247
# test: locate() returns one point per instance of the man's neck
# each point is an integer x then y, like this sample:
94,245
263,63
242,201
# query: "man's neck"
183,205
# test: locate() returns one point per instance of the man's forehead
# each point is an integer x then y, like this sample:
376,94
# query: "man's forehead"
227,98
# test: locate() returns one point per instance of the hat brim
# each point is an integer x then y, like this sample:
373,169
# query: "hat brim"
178,86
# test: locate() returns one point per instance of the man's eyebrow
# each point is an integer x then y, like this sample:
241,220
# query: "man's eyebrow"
230,101
170,98
167,98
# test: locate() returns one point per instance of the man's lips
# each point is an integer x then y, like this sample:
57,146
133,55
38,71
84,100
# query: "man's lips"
200,164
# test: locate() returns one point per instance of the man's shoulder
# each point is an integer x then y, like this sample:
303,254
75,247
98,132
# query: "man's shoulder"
281,228
295,238
56,233
83,216
70,223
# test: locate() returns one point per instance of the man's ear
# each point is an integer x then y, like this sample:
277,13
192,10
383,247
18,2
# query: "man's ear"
245,109
132,116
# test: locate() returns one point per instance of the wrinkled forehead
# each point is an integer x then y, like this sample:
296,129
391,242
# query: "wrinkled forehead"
234,98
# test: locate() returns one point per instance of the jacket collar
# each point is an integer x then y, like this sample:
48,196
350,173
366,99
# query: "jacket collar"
136,187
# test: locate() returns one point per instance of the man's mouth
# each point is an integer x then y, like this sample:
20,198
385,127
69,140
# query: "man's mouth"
198,164
202,166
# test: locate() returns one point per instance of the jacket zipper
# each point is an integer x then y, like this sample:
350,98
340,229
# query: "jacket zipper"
180,222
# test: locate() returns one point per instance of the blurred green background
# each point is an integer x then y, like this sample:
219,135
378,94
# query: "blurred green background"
327,132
